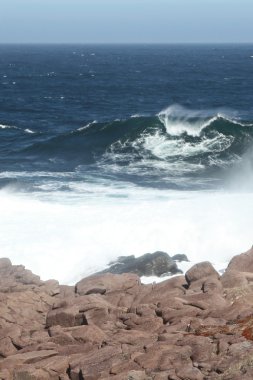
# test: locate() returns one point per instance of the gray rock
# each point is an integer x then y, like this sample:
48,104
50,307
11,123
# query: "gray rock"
151,264
180,257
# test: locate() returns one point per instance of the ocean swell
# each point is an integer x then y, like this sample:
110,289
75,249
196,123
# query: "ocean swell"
162,150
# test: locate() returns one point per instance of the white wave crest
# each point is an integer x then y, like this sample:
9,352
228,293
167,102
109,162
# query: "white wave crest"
3,126
86,126
178,120
137,115
27,130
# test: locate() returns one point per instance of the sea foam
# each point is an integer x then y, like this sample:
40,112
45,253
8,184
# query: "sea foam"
68,238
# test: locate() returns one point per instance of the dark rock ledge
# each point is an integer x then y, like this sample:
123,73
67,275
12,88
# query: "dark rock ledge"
110,326
151,264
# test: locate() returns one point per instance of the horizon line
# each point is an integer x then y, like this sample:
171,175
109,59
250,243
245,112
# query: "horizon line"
129,43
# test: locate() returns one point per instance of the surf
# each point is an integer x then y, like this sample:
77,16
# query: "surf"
69,237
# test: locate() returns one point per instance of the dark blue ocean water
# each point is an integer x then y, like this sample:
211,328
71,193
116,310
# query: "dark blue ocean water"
165,116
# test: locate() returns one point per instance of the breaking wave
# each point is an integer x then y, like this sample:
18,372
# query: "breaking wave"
175,144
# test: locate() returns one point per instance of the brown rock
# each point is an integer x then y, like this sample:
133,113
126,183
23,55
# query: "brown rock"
131,375
94,364
113,327
190,373
137,375
123,365
203,349
66,317
107,283
5,263
52,287
26,358
161,294
91,333
242,262
133,337
6,347
34,374
234,279
199,271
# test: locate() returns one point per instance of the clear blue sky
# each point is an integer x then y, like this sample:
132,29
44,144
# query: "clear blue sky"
92,21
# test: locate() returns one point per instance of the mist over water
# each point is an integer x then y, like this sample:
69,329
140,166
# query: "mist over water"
117,151
69,240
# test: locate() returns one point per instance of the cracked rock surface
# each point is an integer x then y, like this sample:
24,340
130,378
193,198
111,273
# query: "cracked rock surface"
110,326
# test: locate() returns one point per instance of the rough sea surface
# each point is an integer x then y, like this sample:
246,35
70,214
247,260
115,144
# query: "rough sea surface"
109,150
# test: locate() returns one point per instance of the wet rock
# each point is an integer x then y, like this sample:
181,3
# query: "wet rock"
150,264
180,257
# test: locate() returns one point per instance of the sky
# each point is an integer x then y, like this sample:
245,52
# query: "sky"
126,21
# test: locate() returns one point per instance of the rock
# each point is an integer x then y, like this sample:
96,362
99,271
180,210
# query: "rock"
124,365
52,287
107,283
94,364
15,277
212,285
190,373
234,279
66,317
7,347
133,337
202,348
110,326
84,334
180,257
242,262
34,374
26,358
199,271
163,293
4,263
150,264
138,375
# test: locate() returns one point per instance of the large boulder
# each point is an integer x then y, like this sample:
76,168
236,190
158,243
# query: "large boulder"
200,271
106,283
242,262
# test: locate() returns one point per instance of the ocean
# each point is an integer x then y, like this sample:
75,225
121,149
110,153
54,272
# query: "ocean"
111,150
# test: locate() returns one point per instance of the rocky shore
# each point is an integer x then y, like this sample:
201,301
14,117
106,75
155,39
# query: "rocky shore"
110,326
